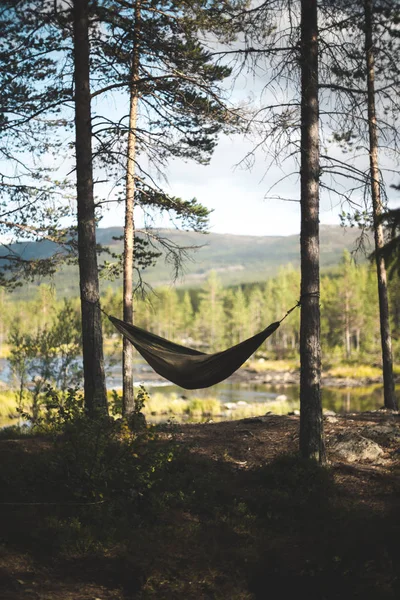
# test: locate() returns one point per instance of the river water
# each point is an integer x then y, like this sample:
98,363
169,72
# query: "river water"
340,400
277,398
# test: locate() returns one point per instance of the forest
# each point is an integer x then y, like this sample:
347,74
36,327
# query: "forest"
213,317
99,101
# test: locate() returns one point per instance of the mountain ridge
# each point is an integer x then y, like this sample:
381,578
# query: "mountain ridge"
237,259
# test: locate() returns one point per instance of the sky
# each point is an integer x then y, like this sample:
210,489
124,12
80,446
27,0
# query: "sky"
238,197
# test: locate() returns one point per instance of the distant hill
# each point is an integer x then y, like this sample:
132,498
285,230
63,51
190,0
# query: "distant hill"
237,259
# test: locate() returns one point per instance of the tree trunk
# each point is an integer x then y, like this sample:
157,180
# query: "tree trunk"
358,341
311,423
92,337
128,404
347,335
386,341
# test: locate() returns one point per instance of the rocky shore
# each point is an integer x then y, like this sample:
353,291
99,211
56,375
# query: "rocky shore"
251,376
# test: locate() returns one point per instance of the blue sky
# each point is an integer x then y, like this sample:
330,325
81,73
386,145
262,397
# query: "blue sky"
237,196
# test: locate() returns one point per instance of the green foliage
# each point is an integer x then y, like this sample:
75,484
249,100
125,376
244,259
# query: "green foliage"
136,419
100,458
46,357
141,399
59,409
205,407
96,459
217,317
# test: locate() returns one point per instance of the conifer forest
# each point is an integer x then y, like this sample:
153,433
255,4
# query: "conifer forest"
244,483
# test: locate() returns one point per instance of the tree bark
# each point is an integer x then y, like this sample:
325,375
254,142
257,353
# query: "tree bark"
347,335
386,340
92,337
128,403
311,423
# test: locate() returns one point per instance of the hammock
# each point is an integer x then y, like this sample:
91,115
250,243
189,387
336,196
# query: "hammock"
188,368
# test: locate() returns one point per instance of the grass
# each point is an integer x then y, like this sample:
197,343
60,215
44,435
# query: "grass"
342,370
262,365
171,405
356,371
203,407
160,404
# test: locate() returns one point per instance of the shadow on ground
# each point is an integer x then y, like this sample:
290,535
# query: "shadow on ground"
194,526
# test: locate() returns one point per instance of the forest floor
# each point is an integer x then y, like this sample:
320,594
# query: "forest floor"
234,515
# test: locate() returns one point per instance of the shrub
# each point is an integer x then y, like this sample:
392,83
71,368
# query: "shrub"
205,407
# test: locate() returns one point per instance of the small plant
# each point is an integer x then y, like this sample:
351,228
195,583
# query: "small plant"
115,403
136,419
46,358
58,410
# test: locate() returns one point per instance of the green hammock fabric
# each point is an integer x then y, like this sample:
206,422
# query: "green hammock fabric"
188,368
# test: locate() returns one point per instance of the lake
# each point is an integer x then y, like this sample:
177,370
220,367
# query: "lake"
340,400
279,399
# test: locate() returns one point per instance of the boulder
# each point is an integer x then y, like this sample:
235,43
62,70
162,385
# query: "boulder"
330,419
353,447
295,413
328,413
382,433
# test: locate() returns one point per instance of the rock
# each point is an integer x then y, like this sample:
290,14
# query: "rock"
295,413
241,403
328,413
288,378
267,379
353,447
330,419
281,398
384,433
230,405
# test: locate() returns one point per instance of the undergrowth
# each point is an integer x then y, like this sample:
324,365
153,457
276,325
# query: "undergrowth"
141,513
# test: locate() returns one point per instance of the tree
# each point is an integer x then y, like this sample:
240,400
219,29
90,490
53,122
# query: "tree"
357,73
311,423
210,318
45,357
128,398
92,340
172,80
32,194
386,341
43,91
391,249
284,44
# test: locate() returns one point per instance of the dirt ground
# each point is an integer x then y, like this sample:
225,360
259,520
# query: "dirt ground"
236,447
